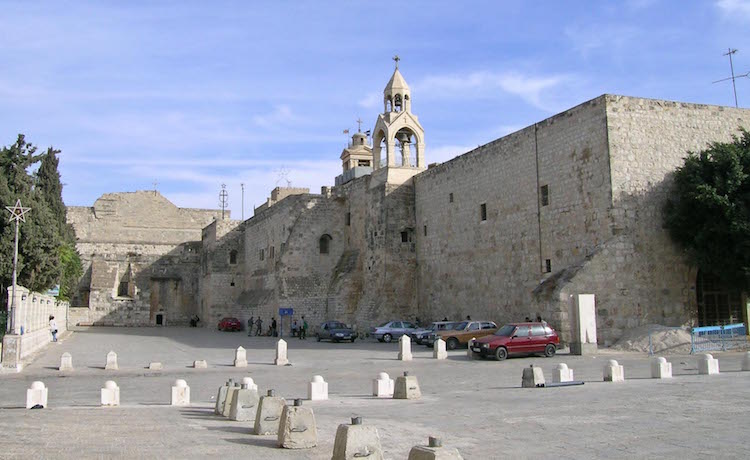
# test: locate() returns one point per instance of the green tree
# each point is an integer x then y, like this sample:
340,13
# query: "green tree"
708,212
71,270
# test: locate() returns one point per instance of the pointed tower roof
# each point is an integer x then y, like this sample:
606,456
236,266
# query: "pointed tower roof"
396,84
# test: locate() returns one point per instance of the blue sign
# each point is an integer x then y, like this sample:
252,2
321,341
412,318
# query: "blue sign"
286,311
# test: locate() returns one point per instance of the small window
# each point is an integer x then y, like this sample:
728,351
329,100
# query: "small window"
522,331
547,266
324,244
283,246
545,195
450,197
425,230
474,327
348,218
538,330
404,236
483,211
488,325
122,289
262,254
272,252
233,257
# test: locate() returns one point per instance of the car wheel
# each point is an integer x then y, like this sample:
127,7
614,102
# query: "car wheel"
452,343
549,350
317,337
387,338
501,353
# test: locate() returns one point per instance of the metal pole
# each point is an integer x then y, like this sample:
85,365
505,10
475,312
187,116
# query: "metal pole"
731,66
243,201
11,320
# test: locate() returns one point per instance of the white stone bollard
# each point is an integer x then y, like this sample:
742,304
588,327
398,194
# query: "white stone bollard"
110,394
240,357
357,441
66,362
708,365
661,369
244,404
532,376
404,348
155,366
281,358
269,412
317,390
407,387
297,429
382,387
37,394
434,450
111,362
180,393
250,383
746,361
562,374
200,364
231,392
614,372
438,350
469,352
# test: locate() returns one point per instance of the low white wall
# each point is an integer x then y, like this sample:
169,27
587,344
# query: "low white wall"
32,312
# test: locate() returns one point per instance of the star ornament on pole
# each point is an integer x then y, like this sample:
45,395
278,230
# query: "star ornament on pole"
17,212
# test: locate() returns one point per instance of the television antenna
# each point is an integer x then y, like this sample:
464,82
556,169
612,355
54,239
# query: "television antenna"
734,77
223,199
282,174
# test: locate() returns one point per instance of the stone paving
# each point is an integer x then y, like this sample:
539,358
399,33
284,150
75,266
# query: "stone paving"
475,406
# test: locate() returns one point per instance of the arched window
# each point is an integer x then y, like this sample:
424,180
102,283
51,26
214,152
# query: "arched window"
397,104
233,257
325,244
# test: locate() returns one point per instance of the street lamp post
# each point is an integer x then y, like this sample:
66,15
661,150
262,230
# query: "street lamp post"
17,213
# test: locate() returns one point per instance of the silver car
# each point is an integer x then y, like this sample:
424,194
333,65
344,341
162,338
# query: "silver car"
392,330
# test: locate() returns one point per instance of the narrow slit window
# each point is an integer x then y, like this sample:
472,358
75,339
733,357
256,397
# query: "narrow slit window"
450,197
545,195
483,211
547,266
425,230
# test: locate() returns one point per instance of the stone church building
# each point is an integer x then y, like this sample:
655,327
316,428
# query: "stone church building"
571,204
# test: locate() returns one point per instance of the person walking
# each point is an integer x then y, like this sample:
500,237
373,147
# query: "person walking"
303,329
53,327
274,332
250,324
259,324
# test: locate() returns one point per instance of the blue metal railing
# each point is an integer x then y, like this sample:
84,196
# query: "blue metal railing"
723,338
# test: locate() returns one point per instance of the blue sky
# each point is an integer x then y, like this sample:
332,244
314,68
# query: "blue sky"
195,94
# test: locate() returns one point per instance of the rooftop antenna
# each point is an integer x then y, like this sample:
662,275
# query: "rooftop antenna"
156,185
734,77
242,186
223,199
283,174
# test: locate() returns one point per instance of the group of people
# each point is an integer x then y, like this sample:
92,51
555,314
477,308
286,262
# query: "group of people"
299,329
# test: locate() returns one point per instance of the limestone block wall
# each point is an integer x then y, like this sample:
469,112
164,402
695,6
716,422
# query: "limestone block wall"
32,312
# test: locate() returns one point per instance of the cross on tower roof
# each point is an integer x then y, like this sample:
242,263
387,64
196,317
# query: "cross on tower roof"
359,125
396,58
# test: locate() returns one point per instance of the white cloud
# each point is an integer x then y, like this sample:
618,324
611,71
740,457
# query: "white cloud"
608,38
735,9
371,101
483,84
281,115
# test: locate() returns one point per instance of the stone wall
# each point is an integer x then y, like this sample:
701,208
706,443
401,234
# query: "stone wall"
141,259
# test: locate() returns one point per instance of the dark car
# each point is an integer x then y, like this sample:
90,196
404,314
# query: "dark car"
230,324
518,338
420,335
335,331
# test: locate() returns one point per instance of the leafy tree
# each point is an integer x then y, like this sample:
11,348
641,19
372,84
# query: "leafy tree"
708,213
72,270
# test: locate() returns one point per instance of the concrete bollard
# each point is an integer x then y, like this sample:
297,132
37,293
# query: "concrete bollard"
382,387
155,366
180,393
708,365
357,441
221,396
613,372
562,374
746,361
407,387
200,364
469,352
244,403
231,391
269,412
434,450
317,390
661,369
532,376
438,350
404,348
250,383
111,362
297,428
36,395
66,362
281,353
240,357
110,394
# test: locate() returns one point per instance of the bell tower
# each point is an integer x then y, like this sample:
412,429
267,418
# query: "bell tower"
398,138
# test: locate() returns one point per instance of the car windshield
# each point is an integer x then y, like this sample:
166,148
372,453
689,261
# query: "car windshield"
385,324
337,326
506,330
457,326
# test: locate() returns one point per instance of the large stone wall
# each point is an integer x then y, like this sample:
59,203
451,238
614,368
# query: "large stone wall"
153,246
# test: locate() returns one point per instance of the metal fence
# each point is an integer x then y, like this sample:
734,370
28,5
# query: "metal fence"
717,337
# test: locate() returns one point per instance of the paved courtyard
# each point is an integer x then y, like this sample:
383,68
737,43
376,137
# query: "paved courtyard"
475,406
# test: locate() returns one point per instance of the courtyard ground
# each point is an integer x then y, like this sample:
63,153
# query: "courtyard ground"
475,406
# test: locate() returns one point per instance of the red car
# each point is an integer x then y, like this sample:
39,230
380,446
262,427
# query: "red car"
518,338
230,324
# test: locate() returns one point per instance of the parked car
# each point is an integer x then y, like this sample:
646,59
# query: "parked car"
230,324
335,331
461,333
519,338
392,330
420,335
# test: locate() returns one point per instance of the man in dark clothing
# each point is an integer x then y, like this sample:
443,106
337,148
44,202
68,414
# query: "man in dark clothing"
273,327
303,329
250,324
